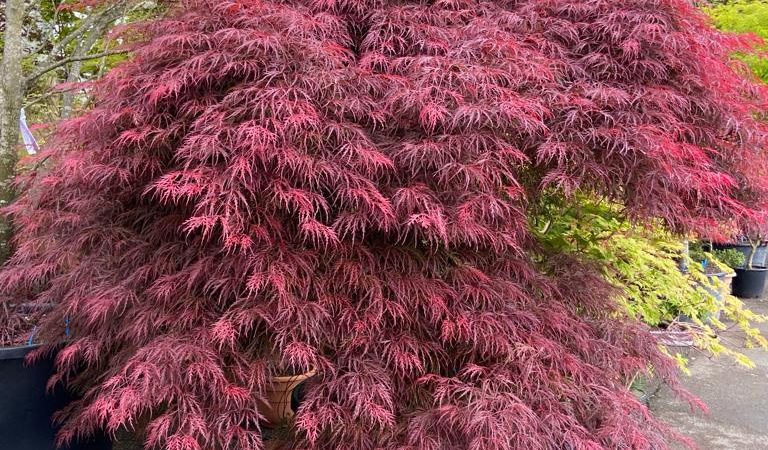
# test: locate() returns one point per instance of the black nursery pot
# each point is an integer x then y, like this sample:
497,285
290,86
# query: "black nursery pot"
749,283
26,408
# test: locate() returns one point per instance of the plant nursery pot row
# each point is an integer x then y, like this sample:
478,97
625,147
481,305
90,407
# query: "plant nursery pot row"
26,408
749,283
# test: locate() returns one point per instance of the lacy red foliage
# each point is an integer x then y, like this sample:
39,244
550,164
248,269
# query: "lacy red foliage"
343,185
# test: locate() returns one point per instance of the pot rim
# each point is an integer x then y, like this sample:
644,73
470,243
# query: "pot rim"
753,269
720,274
741,244
17,352
294,378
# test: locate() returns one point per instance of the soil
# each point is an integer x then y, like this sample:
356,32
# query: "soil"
712,269
16,324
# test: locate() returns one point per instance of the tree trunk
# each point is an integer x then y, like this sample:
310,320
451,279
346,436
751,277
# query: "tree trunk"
12,88
100,26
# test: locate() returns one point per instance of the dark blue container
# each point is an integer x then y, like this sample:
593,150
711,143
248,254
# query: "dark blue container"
750,283
26,408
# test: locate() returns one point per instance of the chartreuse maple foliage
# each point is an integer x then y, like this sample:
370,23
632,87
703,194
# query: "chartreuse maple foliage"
642,260
345,186
744,16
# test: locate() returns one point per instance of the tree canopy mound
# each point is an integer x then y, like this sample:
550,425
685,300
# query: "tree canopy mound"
344,186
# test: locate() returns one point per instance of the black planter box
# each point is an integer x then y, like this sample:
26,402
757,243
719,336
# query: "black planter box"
26,408
749,283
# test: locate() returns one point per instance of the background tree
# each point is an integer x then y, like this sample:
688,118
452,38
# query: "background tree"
11,96
346,186
46,42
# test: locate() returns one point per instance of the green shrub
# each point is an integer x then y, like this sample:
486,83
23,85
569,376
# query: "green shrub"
730,257
745,17
716,260
741,16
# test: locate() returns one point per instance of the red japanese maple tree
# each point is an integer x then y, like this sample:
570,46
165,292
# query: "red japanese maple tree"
344,186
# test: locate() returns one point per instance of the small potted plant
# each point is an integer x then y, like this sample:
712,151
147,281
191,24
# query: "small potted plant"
750,274
26,405
750,279
757,250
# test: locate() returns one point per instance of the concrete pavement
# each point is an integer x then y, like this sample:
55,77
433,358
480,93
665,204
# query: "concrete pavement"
737,397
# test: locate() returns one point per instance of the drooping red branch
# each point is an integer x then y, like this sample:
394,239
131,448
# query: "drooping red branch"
343,186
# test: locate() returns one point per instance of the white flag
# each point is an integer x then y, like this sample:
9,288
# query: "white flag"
26,134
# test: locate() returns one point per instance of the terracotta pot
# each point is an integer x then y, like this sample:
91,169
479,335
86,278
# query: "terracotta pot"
278,409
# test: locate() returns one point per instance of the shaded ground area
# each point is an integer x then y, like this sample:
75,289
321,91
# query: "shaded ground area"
737,397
